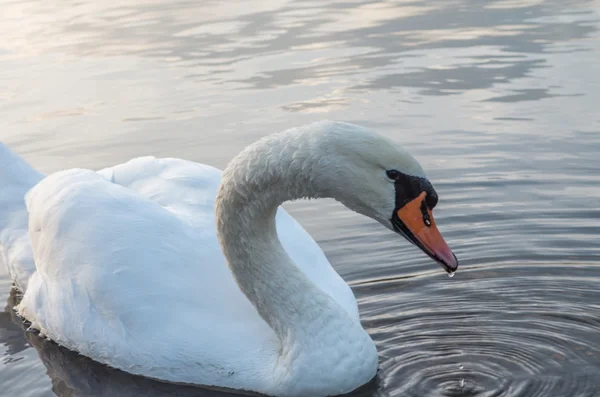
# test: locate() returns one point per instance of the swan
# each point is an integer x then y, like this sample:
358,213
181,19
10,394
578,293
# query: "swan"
177,271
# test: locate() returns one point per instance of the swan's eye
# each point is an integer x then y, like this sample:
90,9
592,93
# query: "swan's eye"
393,174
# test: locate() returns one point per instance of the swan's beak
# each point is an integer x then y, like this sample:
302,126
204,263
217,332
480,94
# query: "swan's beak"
415,221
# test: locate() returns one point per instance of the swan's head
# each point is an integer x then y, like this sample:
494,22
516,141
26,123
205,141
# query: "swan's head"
374,176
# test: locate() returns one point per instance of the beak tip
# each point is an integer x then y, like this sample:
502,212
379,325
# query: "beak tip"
450,265
455,261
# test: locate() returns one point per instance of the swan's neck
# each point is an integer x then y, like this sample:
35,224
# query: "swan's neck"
308,322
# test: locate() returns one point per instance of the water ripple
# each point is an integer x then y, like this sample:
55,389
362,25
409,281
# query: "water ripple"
497,330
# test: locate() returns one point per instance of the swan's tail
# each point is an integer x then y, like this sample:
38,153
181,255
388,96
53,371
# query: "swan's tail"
16,178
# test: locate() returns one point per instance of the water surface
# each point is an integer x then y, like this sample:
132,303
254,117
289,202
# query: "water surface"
497,99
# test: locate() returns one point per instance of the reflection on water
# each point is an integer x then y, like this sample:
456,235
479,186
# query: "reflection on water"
76,375
497,99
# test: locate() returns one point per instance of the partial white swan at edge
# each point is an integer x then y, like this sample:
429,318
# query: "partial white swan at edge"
173,270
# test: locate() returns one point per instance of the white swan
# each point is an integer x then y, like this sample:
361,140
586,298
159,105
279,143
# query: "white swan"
124,265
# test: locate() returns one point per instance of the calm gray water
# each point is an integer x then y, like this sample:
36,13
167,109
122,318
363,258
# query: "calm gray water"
498,100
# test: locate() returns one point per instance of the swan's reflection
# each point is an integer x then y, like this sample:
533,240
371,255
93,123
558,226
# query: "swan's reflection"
75,375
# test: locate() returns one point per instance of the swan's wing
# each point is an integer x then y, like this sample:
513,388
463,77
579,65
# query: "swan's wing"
189,190
185,188
122,280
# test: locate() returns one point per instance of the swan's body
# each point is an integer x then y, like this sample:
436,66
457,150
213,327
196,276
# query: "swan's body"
124,265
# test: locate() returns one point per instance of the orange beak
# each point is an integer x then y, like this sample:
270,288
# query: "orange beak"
417,225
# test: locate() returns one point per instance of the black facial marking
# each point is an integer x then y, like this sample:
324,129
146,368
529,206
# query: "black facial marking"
431,199
409,187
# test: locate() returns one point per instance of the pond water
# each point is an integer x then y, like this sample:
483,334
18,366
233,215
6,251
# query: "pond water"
497,99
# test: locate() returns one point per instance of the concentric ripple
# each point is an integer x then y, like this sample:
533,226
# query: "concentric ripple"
494,331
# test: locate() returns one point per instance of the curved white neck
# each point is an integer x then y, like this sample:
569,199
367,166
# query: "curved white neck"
254,185
306,320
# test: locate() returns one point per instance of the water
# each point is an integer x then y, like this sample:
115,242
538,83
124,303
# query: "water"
497,99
